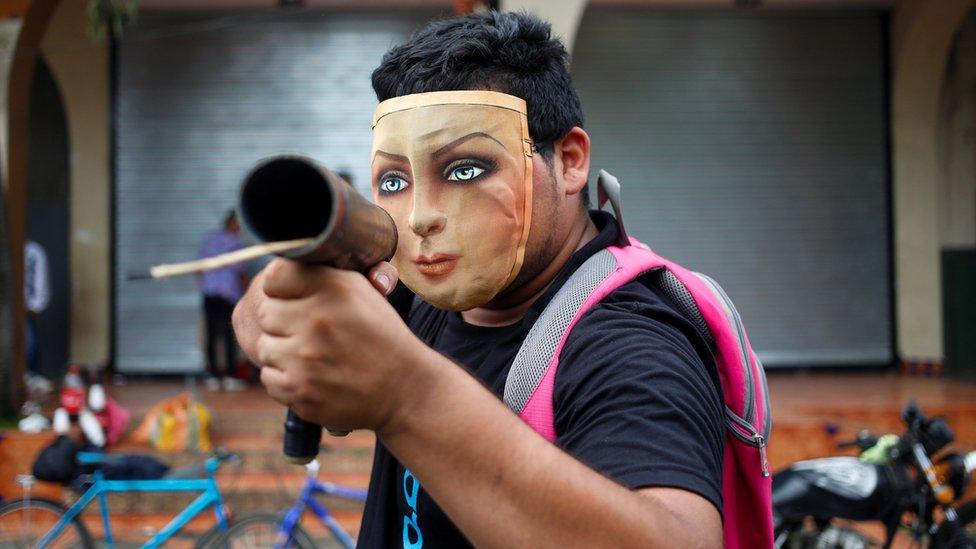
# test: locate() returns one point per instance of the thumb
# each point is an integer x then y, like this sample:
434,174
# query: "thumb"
383,276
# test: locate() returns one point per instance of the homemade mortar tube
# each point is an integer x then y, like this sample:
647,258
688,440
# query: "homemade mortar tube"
291,197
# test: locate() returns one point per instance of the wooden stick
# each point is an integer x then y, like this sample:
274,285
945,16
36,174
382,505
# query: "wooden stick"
230,258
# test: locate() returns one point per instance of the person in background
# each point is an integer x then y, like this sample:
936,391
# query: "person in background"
37,296
346,175
221,289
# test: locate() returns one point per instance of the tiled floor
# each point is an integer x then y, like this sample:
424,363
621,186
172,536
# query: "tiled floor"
808,408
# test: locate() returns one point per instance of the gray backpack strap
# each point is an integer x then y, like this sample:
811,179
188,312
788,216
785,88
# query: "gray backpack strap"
684,302
539,347
608,190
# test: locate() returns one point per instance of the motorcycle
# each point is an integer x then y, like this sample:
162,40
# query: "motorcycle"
895,482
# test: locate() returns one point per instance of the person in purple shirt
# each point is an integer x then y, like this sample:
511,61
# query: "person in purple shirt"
221,289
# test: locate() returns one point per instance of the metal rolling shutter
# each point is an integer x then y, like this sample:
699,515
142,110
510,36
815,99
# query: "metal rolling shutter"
201,99
753,148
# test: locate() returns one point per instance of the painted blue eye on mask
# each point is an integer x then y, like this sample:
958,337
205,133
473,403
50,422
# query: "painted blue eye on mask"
465,173
391,185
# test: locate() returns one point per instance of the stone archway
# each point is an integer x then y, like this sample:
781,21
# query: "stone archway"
956,200
22,69
48,216
56,31
922,35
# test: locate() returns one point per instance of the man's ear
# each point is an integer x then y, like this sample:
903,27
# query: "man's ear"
573,150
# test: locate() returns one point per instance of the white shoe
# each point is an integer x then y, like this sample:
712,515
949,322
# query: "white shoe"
29,408
234,384
62,423
212,384
38,386
34,423
91,427
96,397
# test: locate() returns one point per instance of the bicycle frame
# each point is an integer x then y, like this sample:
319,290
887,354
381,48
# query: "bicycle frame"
208,486
307,500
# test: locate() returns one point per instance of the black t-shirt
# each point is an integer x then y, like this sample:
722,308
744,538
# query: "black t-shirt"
636,398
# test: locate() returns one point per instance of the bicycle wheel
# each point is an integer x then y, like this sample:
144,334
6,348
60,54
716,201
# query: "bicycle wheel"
251,532
24,522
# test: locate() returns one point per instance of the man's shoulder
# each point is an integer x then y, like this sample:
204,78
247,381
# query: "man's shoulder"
209,240
219,242
636,326
33,248
634,372
639,309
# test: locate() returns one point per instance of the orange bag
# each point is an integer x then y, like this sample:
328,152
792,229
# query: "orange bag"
176,424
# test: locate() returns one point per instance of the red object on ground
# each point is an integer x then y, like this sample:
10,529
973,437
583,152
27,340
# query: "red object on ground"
72,391
115,419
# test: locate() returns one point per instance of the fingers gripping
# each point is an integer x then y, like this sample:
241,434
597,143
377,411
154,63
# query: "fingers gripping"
383,276
286,279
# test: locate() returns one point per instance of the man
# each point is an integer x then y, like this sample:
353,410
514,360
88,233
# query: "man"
221,289
37,295
637,459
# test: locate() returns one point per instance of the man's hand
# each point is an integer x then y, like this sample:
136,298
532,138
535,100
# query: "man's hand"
336,352
329,345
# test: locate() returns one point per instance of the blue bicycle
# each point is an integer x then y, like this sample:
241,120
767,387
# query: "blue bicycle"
35,522
268,530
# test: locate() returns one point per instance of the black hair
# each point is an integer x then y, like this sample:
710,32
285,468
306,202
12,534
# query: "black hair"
513,53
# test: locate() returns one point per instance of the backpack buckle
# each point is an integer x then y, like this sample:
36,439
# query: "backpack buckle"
608,189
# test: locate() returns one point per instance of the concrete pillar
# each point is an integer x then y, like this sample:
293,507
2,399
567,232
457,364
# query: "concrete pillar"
957,143
922,31
18,121
81,68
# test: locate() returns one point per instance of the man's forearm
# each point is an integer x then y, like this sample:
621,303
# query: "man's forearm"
503,485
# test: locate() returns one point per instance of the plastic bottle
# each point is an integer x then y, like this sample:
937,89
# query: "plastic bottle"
73,391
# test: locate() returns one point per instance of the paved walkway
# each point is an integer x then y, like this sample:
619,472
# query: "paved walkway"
808,408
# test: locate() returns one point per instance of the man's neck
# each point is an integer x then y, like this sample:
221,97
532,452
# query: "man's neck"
513,306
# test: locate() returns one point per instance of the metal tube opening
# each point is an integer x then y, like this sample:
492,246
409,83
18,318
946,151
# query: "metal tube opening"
286,199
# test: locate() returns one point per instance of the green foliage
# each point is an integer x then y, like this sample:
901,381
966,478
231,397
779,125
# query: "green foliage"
110,15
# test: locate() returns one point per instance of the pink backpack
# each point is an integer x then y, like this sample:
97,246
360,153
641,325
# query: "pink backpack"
746,485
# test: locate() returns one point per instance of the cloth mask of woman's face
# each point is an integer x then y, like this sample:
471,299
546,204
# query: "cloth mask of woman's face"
454,171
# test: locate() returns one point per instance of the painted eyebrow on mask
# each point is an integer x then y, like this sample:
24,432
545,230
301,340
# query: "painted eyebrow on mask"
391,156
446,148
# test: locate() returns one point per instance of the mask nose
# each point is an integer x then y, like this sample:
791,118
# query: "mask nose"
426,218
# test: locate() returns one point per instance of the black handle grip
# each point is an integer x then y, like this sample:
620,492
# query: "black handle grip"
303,438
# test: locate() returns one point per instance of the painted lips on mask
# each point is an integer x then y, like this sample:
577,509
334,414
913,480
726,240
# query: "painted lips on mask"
437,266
